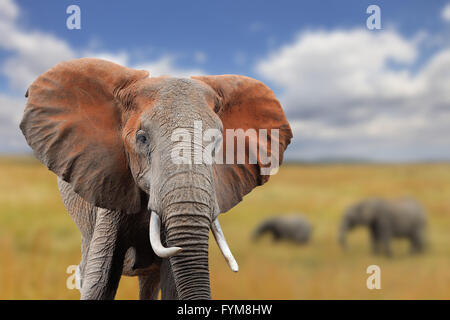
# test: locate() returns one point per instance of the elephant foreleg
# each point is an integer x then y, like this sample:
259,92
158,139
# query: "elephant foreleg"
375,243
416,242
149,284
276,234
82,266
104,259
386,243
375,239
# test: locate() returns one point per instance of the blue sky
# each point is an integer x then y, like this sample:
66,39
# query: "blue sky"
348,92
222,30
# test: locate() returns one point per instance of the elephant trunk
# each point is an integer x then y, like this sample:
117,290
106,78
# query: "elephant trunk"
186,211
190,267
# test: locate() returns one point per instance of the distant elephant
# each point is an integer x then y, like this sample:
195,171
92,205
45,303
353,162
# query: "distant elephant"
128,172
293,228
386,219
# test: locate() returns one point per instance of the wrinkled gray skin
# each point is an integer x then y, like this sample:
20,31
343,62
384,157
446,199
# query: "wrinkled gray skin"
115,243
293,228
386,219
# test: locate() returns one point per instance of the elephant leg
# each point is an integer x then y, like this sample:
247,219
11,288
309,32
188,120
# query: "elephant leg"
386,243
82,266
375,240
375,243
276,235
416,240
104,260
149,284
383,231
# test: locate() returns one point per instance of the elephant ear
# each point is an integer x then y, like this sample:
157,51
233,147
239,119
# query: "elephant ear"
73,121
245,103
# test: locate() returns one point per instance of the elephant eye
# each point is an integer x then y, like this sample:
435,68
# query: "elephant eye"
141,137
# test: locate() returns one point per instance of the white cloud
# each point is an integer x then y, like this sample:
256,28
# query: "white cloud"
11,111
165,66
350,93
121,58
8,10
41,53
446,13
33,52
353,63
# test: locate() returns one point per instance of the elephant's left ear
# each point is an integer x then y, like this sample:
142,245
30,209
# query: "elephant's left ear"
247,104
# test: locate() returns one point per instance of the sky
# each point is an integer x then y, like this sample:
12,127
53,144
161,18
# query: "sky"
348,92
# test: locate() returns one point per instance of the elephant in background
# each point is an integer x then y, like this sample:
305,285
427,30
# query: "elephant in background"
110,134
386,219
294,228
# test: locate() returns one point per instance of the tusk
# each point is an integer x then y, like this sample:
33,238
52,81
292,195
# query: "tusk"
155,239
222,243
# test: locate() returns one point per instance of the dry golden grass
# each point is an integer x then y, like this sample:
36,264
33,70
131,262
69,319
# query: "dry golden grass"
38,239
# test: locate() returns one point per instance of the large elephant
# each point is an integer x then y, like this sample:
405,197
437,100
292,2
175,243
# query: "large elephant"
121,145
386,219
293,228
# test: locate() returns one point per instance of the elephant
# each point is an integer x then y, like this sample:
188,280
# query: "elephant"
386,219
127,152
294,228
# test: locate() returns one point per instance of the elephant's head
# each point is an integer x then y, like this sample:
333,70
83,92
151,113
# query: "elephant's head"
126,141
360,214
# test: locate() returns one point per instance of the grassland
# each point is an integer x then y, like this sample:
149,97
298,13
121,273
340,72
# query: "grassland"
38,239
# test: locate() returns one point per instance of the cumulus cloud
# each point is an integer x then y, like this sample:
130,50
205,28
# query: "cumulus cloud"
8,10
350,93
121,58
33,52
11,110
165,66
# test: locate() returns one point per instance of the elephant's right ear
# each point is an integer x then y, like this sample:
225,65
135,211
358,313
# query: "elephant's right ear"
73,123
